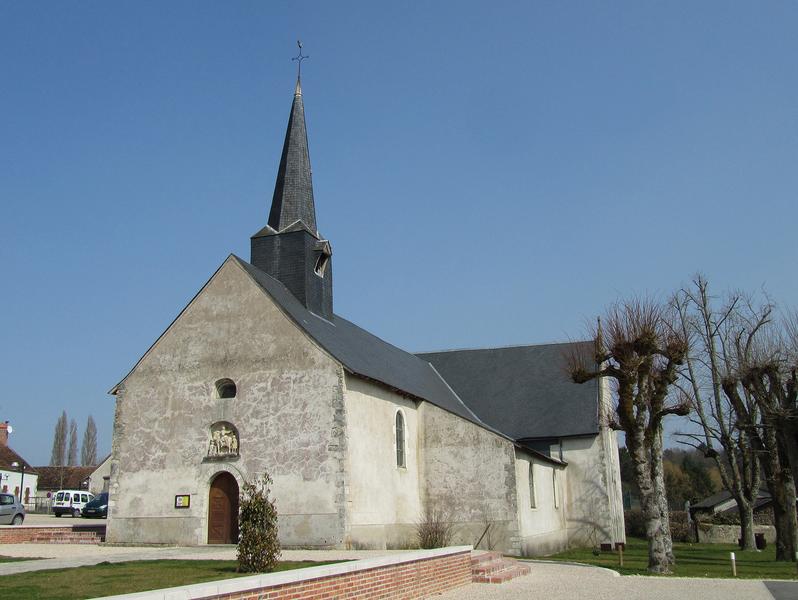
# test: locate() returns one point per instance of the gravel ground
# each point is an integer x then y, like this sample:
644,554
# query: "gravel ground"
557,581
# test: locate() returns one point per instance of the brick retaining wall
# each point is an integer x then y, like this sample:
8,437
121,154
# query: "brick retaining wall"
70,534
409,575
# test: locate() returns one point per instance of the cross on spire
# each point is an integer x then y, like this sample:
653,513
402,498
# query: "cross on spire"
299,58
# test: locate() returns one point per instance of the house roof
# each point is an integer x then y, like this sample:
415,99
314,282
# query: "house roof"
74,478
724,496
364,354
523,391
8,456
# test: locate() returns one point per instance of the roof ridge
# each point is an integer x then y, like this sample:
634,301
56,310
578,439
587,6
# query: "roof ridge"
506,347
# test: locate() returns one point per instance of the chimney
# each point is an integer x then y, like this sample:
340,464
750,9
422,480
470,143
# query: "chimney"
4,434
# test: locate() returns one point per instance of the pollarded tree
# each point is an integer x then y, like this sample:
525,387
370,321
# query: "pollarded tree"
765,371
640,351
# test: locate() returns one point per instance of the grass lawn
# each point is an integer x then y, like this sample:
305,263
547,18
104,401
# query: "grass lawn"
692,560
107,579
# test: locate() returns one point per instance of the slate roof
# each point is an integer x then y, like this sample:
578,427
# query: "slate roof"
74,478
522,391
711,502
293,191
8,456
364,354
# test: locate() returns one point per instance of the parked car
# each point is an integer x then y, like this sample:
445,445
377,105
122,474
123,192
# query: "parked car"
70,502
12,512
97,508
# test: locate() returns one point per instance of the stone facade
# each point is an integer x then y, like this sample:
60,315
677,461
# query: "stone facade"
469,472
289,412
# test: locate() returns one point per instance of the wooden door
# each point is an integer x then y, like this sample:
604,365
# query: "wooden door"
223,510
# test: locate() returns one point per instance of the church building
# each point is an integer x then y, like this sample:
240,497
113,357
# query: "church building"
362,439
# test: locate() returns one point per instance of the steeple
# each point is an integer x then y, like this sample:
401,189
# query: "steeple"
293,190
289,247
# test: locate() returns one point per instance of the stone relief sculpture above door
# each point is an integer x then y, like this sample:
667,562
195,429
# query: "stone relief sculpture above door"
223,440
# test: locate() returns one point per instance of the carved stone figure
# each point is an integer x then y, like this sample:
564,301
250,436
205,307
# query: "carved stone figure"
223,441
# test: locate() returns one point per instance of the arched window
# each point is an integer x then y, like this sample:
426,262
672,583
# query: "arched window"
27,495
226,388
400,439
532,500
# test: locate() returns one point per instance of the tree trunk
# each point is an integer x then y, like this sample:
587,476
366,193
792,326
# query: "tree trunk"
651,504
662,495
790,517
782,491
746,511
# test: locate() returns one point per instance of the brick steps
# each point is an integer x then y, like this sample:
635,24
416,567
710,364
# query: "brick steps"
492,567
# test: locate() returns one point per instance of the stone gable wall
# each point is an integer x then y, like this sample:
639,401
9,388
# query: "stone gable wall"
288,411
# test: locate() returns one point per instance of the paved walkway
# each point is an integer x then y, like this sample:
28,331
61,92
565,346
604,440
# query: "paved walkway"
558,581
553,581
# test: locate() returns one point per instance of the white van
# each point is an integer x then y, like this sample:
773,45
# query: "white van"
70,502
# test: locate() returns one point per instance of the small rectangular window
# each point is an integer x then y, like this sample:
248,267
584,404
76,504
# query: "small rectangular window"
532,500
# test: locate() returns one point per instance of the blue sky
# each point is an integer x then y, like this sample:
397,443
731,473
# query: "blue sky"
488,173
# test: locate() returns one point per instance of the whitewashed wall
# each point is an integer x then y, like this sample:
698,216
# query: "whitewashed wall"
543,528
383,500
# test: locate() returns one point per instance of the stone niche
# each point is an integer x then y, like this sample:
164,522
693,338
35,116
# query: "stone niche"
223,442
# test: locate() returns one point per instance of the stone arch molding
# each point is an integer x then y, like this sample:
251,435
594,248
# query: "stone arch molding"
223,441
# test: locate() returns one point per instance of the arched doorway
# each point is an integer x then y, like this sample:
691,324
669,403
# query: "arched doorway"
223,510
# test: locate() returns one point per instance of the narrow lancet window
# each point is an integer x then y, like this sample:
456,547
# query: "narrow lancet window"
554,488
400,440
226,388
532,499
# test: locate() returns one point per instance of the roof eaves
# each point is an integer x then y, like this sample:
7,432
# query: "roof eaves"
538,454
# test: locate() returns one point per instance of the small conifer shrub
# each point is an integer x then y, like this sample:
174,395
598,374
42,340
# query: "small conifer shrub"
258,546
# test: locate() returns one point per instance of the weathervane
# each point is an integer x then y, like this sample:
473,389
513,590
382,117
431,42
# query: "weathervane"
299,58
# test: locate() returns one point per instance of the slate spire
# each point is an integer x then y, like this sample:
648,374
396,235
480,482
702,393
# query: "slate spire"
290,248
293,190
